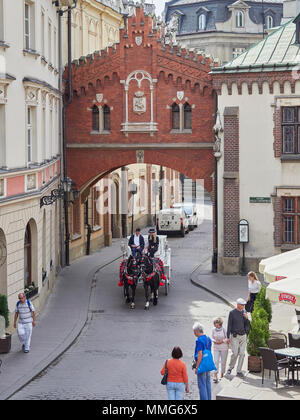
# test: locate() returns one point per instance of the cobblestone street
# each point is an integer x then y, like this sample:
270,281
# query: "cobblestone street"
121,351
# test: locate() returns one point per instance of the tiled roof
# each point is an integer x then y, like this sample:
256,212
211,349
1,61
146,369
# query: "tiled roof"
277,51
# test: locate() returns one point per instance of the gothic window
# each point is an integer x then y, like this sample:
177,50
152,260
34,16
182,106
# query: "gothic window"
175,117
239,19
187,116
95,118
106,118
269,22
202,22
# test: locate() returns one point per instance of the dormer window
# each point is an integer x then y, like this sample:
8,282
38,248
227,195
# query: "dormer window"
202,22
269,22
296,21
239,19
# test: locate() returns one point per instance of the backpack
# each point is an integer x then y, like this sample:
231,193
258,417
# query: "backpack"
28,304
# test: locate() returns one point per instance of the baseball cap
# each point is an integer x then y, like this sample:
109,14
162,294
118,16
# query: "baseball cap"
241,301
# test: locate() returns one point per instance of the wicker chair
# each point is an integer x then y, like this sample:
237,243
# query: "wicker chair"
280,336
294,340
270,362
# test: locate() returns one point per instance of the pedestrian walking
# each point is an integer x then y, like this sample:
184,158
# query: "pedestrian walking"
203,343
254,286
238,328
25,315
177,375
220,346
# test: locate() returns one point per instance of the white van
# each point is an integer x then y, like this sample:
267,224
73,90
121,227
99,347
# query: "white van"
172,220
190,211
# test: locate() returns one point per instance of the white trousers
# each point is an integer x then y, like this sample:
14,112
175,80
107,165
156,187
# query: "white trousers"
220,356
238,347
24,333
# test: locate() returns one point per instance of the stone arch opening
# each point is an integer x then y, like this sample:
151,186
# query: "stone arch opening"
31,254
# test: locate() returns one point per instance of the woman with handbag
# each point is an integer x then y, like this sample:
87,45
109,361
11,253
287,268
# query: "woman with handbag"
177,378
204,361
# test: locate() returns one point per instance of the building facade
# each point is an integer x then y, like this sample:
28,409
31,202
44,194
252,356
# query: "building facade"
258,171
29,148
222,29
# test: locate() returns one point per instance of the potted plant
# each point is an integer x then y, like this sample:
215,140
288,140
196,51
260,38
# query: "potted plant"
262,302
5,343
258,337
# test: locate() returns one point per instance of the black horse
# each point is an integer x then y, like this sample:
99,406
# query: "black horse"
152,272
130,272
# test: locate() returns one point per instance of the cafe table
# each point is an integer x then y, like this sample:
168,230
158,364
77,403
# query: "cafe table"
292,353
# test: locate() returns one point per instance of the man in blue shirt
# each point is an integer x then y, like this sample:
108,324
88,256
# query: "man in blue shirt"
203,342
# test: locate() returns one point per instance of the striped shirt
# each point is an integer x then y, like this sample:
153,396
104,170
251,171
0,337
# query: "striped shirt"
25,314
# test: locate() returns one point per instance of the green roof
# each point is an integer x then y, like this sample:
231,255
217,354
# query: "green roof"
276,52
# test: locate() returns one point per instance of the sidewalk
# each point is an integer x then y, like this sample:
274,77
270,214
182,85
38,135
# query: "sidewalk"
229,289
59,324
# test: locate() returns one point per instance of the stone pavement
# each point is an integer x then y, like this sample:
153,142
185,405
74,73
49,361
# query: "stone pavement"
67,310
229,289
60,323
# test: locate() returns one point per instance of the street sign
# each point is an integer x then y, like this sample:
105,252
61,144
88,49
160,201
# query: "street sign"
260,199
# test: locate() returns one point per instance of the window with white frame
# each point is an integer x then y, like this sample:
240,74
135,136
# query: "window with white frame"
202,22
239,19
30,133
43,33
237,51
269,22
49,42
54,49
29,26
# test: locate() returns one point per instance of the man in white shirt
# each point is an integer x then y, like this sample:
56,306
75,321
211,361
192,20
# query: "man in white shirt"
136,243
26,313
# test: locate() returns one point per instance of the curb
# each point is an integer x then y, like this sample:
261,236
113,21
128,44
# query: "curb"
212,292
62,347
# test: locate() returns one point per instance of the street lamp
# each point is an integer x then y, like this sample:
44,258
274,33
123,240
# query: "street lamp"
133,191
217,155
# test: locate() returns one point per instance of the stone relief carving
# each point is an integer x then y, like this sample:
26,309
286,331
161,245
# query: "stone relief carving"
139,103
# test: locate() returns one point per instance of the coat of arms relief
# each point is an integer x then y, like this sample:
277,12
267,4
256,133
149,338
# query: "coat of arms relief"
139,103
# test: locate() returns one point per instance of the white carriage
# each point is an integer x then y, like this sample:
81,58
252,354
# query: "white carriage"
163,252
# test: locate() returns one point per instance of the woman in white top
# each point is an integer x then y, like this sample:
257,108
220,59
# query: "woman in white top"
254,287
219,339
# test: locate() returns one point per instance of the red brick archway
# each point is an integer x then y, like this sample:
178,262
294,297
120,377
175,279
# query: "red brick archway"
138,80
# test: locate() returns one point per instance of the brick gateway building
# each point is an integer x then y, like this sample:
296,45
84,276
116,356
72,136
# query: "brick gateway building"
140,101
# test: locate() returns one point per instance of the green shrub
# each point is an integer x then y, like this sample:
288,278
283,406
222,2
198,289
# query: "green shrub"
4,309
262,302
259,333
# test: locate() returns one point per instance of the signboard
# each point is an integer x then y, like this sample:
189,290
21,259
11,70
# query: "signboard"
243,231
260,199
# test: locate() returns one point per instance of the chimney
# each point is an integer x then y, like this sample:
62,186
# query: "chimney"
291,9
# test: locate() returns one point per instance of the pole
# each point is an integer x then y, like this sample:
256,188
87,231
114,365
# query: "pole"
215,254
132,214
61,229
243,261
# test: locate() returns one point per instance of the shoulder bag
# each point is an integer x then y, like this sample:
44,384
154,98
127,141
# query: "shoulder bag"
165,377
207,362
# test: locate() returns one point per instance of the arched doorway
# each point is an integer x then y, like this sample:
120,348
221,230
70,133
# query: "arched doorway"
3,264
30,254
115,210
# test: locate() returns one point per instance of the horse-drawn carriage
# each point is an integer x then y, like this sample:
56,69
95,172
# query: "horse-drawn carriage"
146,271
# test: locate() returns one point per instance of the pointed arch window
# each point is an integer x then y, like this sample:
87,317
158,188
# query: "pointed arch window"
187,110
175,117
95,118
106,118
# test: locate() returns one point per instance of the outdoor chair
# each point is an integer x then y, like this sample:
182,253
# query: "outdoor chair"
275,344
294,340
281,336
270,362
298,318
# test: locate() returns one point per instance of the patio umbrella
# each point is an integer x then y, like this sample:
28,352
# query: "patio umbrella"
285,291
281,266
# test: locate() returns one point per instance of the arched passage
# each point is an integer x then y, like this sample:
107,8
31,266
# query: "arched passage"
31,254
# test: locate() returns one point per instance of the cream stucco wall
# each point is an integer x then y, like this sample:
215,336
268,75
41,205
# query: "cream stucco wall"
260,173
